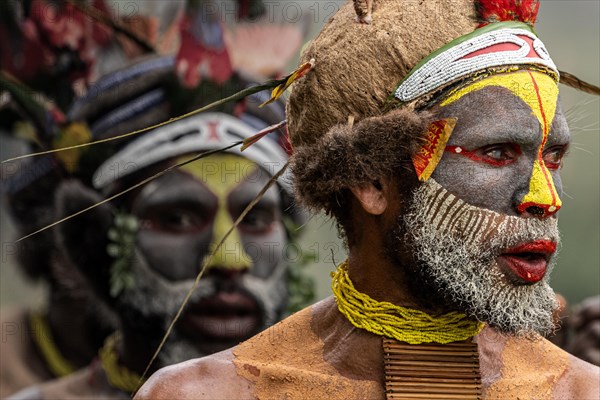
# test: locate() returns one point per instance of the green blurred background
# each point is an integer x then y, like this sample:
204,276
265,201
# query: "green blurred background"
571,31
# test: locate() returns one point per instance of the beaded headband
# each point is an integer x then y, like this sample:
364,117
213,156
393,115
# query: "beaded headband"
202,132
495,45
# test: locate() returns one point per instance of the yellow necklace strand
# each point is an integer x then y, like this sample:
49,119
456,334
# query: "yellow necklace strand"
396,322
118,376
42,337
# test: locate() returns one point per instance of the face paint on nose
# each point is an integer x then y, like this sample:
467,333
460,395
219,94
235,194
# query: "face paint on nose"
540,93
222,174
542,192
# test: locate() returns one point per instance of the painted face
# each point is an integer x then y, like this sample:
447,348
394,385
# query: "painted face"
504,155
491,203
506,149
182,217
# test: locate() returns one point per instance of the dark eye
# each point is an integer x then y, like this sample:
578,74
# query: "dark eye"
257,221
496,154
174,221
553,157
499,154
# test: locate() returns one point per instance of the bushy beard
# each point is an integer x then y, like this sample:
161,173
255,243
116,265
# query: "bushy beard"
455,246
153,302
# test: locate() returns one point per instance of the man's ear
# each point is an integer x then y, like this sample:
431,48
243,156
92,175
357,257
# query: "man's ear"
84,238
372,196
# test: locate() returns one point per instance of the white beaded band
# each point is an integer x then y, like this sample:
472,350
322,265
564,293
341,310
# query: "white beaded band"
451,64
202,132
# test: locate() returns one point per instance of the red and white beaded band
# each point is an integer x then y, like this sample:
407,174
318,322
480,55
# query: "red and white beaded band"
501,47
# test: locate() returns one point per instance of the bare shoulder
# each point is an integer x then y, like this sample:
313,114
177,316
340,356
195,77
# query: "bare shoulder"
576,378
211,377
580,381
265,360
528,368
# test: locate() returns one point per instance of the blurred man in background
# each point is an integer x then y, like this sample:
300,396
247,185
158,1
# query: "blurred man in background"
85,40
142,252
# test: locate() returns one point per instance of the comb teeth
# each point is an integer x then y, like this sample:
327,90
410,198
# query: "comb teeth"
431,371
489,11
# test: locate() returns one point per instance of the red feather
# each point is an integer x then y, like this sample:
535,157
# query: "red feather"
489,11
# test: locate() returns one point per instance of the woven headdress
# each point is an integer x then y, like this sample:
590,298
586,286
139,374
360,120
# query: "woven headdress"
402,59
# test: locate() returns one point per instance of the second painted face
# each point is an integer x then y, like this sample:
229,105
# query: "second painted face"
183,215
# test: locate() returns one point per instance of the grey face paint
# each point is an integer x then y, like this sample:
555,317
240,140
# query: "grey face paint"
493,122
178,215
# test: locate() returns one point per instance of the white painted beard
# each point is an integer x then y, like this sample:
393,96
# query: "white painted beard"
455,246
155,298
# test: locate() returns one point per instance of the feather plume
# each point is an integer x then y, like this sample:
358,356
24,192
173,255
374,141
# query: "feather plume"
576,83
489,11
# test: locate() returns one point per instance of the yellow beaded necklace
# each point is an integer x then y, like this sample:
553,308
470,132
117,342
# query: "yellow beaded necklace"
396,322
118,376
42,337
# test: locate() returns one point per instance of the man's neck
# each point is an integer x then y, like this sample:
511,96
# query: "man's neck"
66,315
136,352
374,273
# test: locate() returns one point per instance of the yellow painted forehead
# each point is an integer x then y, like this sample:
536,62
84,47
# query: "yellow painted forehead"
537,90
221,173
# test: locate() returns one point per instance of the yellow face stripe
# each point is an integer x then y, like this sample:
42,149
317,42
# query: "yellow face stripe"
221,174
540,93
